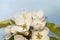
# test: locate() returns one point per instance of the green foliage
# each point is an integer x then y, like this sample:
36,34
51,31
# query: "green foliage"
53,38
53,28
12,38
6,23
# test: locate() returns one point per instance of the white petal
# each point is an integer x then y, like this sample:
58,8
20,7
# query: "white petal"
13,29
28,19
7,29
45,31
19,37
45,38
23,18
40,14
43,24
19,19
20,29
7,36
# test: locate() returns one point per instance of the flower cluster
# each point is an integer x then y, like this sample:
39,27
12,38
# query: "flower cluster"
29,26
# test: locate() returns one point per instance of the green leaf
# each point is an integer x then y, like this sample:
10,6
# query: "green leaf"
53,38
6,23
12,38
53,28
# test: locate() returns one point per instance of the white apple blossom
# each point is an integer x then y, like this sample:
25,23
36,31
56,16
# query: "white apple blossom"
19,37
43,35
18,28
23,18
38,20
38,24
40,15
24,21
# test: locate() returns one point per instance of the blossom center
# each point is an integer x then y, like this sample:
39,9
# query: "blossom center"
38,36
24,26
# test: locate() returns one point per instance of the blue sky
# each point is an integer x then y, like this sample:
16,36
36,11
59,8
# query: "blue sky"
10,7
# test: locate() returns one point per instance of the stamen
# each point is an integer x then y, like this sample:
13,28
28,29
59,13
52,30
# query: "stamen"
24,26
38,36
